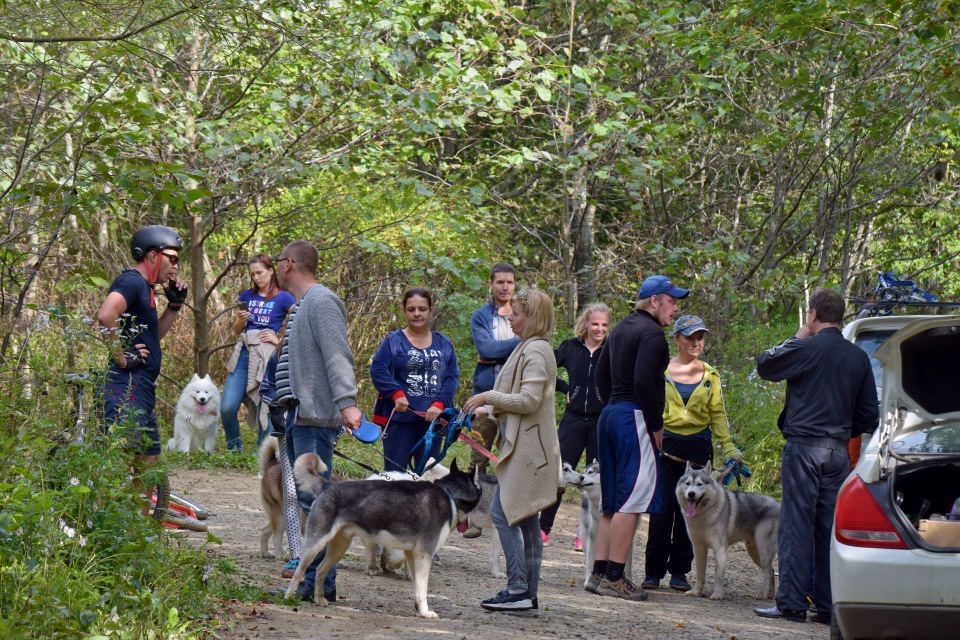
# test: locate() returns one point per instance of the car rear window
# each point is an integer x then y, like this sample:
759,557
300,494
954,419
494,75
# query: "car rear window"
870,341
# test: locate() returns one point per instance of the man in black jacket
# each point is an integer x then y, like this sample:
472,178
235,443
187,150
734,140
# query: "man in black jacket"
831,397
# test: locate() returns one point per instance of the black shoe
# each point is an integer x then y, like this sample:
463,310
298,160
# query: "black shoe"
823,617
506,601
305,593
678,582
782,614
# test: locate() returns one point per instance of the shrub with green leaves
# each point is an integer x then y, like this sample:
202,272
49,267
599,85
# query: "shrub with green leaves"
77,558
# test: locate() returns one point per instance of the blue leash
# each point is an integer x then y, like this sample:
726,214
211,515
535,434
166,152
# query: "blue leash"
447,426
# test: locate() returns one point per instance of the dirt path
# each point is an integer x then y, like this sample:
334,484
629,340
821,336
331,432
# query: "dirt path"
382,607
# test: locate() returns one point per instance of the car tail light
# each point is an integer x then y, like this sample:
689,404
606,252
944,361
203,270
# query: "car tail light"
861,521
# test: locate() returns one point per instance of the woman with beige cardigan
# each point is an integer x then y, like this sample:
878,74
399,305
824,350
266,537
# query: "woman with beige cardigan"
522,403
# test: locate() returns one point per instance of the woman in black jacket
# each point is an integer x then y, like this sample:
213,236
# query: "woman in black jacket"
578,427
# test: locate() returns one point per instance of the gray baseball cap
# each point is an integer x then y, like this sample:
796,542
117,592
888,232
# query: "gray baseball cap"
688,325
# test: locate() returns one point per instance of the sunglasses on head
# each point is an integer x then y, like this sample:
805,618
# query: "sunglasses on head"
521,295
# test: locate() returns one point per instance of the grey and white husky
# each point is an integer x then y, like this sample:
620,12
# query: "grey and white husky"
589,520
717,518
384,559
404,514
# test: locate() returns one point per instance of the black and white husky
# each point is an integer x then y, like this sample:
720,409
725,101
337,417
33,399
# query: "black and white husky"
403,514
717,518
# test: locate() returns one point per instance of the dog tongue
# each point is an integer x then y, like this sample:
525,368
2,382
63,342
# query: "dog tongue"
462,526
201,408
691,509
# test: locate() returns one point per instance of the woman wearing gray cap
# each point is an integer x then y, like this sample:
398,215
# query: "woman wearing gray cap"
693,415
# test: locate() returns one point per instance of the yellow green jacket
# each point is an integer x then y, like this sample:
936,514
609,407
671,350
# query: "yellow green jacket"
703,410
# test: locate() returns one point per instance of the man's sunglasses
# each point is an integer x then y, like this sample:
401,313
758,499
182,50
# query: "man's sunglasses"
172,257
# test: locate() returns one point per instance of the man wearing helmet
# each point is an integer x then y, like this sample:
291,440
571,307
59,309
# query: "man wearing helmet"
129,318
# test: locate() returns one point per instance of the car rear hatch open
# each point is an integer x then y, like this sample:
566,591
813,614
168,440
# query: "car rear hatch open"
920,427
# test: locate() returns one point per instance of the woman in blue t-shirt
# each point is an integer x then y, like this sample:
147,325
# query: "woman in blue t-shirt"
416,376
260,314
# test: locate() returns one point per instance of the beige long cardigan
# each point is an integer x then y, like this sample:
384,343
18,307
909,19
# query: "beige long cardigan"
523,403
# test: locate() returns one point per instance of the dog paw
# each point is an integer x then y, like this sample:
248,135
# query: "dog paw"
696,593
498,574
716,596
429,614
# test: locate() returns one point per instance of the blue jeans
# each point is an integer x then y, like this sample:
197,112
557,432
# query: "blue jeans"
318,440
234,390
522,549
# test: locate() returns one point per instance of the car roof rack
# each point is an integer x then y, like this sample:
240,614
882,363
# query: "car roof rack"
868,308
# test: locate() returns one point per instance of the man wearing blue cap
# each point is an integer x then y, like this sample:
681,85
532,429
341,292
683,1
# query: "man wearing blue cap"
630,431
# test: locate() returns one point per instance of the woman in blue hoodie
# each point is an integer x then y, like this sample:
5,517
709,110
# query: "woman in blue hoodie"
416,376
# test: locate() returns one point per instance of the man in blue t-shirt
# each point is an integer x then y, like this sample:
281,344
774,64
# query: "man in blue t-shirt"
129,317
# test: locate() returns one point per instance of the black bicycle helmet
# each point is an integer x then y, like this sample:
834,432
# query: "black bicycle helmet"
154,237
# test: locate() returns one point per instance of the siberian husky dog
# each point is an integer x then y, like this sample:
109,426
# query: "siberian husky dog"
589,520
271,499
197,417
717,518
414,516
390,560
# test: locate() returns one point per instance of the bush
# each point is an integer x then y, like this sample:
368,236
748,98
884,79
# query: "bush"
77,557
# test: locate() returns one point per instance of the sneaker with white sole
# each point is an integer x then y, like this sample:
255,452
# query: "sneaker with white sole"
545,537
506,601
578,544
622,588
593,582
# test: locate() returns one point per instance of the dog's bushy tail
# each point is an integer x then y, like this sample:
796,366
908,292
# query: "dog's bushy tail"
268,454
307,470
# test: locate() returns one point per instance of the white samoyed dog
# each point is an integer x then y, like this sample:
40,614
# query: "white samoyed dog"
198,416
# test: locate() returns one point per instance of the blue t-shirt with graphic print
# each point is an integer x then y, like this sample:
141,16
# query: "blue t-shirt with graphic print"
266,313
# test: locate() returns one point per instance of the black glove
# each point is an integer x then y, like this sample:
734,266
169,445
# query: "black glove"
176,297
278,418
134,360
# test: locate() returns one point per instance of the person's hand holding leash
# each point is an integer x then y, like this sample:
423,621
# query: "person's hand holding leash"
402,404
432,413
477,405
351,418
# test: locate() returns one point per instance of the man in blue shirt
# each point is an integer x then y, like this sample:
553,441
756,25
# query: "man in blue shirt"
494,340
129,317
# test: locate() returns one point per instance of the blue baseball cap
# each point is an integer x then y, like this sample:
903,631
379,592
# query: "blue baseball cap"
660,284
688,325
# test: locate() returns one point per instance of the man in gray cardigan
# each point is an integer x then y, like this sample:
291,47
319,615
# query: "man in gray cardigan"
315,374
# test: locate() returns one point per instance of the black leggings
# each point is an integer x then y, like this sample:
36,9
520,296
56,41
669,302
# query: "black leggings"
576,436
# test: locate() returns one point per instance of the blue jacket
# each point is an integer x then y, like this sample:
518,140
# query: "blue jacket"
427,377
491,353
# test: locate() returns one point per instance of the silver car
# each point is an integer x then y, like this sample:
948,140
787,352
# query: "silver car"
895,551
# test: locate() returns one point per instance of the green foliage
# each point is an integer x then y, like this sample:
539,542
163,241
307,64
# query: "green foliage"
77,556
752,403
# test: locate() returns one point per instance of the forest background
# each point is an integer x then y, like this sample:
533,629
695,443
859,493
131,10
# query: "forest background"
751,150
